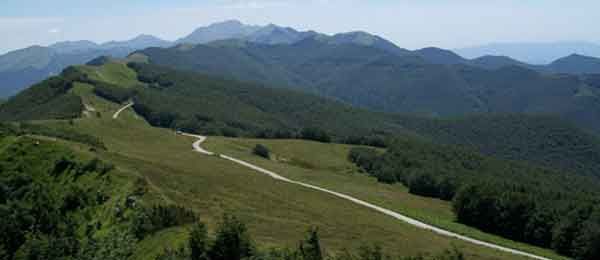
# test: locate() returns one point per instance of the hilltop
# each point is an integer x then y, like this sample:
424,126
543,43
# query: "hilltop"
538,53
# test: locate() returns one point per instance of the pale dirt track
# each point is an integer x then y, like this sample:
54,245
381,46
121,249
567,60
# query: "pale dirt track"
116,115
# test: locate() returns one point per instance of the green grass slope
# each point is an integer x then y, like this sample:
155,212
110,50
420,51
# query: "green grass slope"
277,213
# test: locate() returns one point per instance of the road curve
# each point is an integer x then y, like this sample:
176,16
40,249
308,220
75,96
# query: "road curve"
197,147
116,115
197,144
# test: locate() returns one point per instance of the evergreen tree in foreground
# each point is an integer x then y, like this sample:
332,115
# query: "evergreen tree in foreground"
232,241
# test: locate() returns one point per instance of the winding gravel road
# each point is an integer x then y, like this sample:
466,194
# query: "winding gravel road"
116,115
198,148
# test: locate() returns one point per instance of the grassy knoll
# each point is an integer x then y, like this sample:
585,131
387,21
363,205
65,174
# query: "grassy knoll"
277,213
112,72
326,165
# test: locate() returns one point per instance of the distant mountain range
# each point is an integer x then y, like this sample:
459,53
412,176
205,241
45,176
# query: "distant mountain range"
533,53
20,69
571,64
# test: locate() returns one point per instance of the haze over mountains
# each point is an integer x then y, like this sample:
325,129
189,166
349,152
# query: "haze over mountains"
19,69
533,53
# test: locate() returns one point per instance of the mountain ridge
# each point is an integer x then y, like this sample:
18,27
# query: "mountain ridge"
375,79
536,53
21,68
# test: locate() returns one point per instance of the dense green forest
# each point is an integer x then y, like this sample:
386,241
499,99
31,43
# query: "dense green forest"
543,140
217,106
376,79
522,202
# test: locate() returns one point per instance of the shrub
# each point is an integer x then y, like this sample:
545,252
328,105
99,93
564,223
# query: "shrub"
424,185
198,242
150,220
232,241
315,134
363,157
262,151
310,248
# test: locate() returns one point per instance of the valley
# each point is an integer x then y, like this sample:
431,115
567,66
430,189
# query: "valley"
267,142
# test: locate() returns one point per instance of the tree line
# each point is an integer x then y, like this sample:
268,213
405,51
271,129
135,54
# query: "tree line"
536,205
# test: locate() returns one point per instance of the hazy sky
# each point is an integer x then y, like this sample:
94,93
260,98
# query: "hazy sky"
410,24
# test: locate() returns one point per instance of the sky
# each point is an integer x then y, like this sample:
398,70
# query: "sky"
410,24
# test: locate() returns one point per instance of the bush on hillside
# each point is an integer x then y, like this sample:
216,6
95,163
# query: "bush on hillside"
262,151
150,220
424,185
315,134
232,242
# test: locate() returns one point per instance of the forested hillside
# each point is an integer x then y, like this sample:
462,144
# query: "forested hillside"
215,106
543,140
226,107
526,203
377,79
